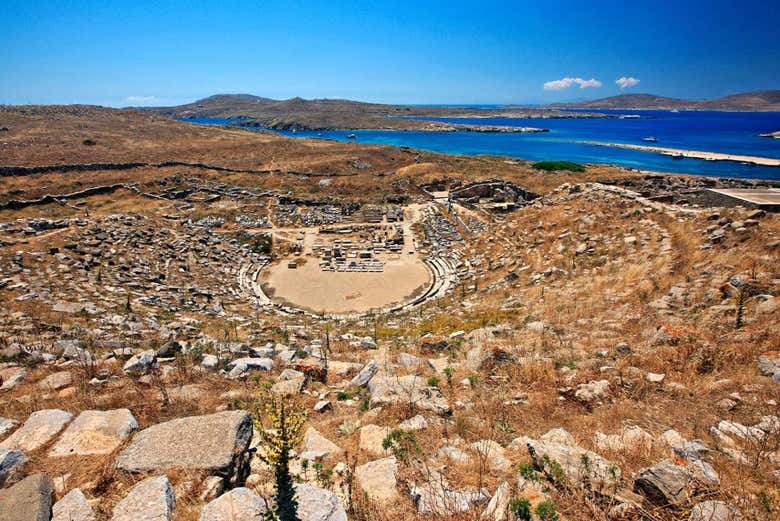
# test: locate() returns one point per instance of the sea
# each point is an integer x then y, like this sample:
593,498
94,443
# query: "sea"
709,131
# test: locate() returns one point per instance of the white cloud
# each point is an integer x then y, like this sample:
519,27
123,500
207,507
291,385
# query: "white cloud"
626,82
140,100
565,83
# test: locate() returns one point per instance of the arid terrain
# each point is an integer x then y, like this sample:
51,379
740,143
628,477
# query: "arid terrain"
503,341
322,114
762,100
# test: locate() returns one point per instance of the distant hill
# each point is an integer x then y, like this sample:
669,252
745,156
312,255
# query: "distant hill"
322,114
763,100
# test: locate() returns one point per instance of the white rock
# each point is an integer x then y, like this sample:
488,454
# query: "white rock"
95,432
38,430
150,500
378,478
73,507
240,504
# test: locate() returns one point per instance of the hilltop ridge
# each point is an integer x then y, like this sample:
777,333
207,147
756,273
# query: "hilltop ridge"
763,100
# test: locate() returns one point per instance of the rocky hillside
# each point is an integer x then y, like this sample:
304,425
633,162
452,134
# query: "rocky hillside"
765,100
609,350
321,114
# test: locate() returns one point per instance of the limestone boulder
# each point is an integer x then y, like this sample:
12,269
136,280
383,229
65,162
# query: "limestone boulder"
372,437
437,498
216,443
10,377
240,504
318,504
407,390
715,511
668,483
378,478
150,500
317,447
140,363
365,375
7,425
56,381
577,465
498,507
28,500
491,453
73,507
38,430
11,463
95,432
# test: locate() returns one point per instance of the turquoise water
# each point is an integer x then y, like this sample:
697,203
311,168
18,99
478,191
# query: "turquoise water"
725,132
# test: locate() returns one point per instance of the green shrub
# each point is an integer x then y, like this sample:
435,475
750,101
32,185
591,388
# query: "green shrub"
546,511
521,508
555,166
433,381
401,443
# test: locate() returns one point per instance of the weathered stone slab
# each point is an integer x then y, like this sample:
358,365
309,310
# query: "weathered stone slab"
378,478
28,500
240,504
56,381
95,432
73,507
7,425
38,430
11,462
372,437
578,464
10,377
150,500
318,447
317,504
215,442
407,390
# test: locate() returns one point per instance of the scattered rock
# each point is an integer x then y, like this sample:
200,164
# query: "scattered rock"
150,500
317,504
437,498
667,483
240,504
38,430
378,478
407,390
364,376
11,463
317,447
56,381
715,511
599,473
371,438
215,442
7,425
140,363
28,500
498,506
10,377
73,507
95,432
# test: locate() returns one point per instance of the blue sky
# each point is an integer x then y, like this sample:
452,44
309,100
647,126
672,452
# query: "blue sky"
168,52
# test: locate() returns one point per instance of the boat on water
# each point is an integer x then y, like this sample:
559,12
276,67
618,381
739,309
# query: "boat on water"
650,139
678,156
351,135
674,111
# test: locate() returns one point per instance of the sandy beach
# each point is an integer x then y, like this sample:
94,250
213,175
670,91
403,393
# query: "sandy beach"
696,154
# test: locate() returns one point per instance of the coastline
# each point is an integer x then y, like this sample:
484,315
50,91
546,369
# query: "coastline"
693,154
